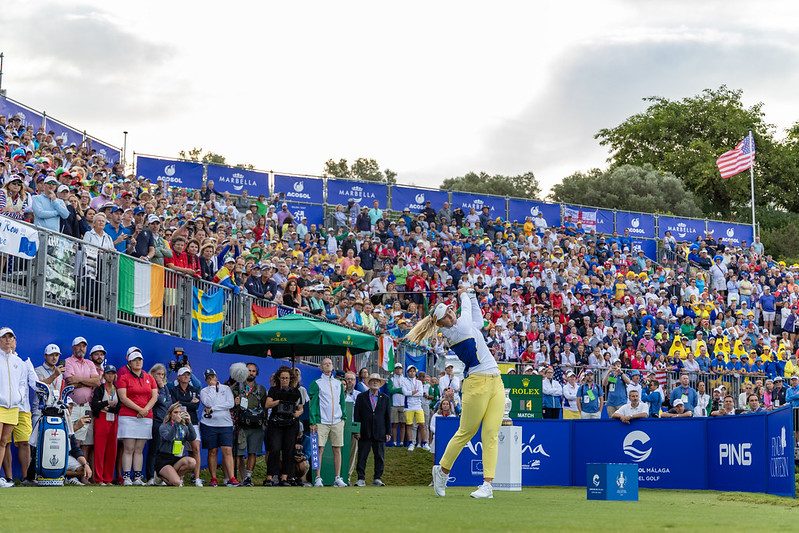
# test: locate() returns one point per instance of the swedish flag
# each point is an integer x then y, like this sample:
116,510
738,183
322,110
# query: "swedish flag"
207,315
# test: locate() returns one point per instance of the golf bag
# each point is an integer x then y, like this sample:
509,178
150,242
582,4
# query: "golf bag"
52,445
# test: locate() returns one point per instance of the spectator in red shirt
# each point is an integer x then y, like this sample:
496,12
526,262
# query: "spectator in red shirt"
138,392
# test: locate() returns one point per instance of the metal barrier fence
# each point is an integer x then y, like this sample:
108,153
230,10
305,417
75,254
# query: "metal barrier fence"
16,275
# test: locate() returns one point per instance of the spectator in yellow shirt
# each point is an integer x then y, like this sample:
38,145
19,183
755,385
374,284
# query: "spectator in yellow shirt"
356,268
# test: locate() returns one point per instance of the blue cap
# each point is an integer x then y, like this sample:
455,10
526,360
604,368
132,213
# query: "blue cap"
114,209
138,210
635,373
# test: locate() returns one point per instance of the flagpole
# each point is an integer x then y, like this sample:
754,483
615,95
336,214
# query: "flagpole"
752,185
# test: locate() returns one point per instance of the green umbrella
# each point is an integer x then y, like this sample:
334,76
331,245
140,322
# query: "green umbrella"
294,335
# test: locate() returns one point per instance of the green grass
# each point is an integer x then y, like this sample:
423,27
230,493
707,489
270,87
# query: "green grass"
381,509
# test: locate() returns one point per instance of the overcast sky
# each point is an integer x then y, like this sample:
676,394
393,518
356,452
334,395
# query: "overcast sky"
429,89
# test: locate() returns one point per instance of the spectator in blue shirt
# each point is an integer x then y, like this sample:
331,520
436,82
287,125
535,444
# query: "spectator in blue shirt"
684,392
653,397
616,382
47,209
589,398
118,233
766,304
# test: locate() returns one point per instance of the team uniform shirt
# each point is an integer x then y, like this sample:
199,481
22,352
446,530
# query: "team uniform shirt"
570,396
466,340
327,401
220,399
413,389
81,368
13,381
397,397
139,390
447,381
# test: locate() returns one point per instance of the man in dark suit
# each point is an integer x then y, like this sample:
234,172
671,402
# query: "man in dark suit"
372,410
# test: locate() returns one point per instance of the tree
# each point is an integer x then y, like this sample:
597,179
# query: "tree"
198,155
521,186
629,188
686,137
362,169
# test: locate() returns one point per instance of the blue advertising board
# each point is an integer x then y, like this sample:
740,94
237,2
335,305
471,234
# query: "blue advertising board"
467,200
69,135
176,173
779,427
519,210
730,233
682,229
414,199
651,444
109,153
300,189
546,453
649,247
640,225
28,118
362,192
314,213
612,482
604,221
736,451
235,180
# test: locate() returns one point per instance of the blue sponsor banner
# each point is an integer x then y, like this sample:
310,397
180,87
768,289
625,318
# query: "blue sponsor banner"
651,444
519,210
67,134
414,199
779,427
299,189
640,225
736,453
29,118
682,229
546,453
109,153
315,213
466,201
176,173
612,482
649,247
604,221
235,180
362,192
730,233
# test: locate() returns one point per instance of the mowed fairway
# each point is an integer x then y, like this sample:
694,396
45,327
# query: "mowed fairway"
381,509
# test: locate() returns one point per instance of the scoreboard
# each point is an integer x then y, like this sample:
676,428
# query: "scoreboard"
525,395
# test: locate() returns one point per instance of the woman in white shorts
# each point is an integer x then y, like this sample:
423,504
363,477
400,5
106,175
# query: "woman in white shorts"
138,393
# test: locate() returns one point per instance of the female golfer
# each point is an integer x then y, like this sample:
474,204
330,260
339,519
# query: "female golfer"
483,395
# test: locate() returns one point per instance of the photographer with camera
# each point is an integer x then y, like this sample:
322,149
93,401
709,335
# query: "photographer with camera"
302,457
250,398
285,401
216,427
189,397
176,432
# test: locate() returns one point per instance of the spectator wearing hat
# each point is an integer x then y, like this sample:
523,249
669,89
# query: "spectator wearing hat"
552,392
189,397
162,250
590,398
15,202
570,389
413,390
119,234
82,373
71,224
48,209
15,404
142,236
394,385
372,411
678,410
105,408
216,427
138,393
616,382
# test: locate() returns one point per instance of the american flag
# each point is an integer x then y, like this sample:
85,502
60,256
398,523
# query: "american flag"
737,160
284,311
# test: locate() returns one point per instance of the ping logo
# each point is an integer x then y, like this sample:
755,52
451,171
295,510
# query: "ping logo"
736,454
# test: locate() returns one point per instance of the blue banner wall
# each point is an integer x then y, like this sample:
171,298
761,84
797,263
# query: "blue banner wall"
519,210
414,199
417,358
736,452
29,118
65,132
779,427
108,152
546,453
315,213
604,221
681,229
466,201
731,233
658,447
297,189
235,180
363,192
175,173
649,247
638,224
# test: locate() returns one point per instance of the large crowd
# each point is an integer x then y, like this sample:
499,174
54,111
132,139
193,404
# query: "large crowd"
708,324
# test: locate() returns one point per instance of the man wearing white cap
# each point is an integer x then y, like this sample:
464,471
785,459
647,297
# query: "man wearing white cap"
413,391
677,411
397,404
81,372
589,398
48,210
13,392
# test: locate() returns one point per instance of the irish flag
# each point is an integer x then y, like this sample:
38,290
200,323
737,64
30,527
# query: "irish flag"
387,353
141,288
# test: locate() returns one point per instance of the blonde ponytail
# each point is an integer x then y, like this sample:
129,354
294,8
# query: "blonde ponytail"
424,329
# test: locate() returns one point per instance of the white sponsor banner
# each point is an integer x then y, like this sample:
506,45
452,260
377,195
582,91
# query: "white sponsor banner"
18,239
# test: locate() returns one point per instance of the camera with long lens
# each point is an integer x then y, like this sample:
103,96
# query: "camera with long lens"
181,360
